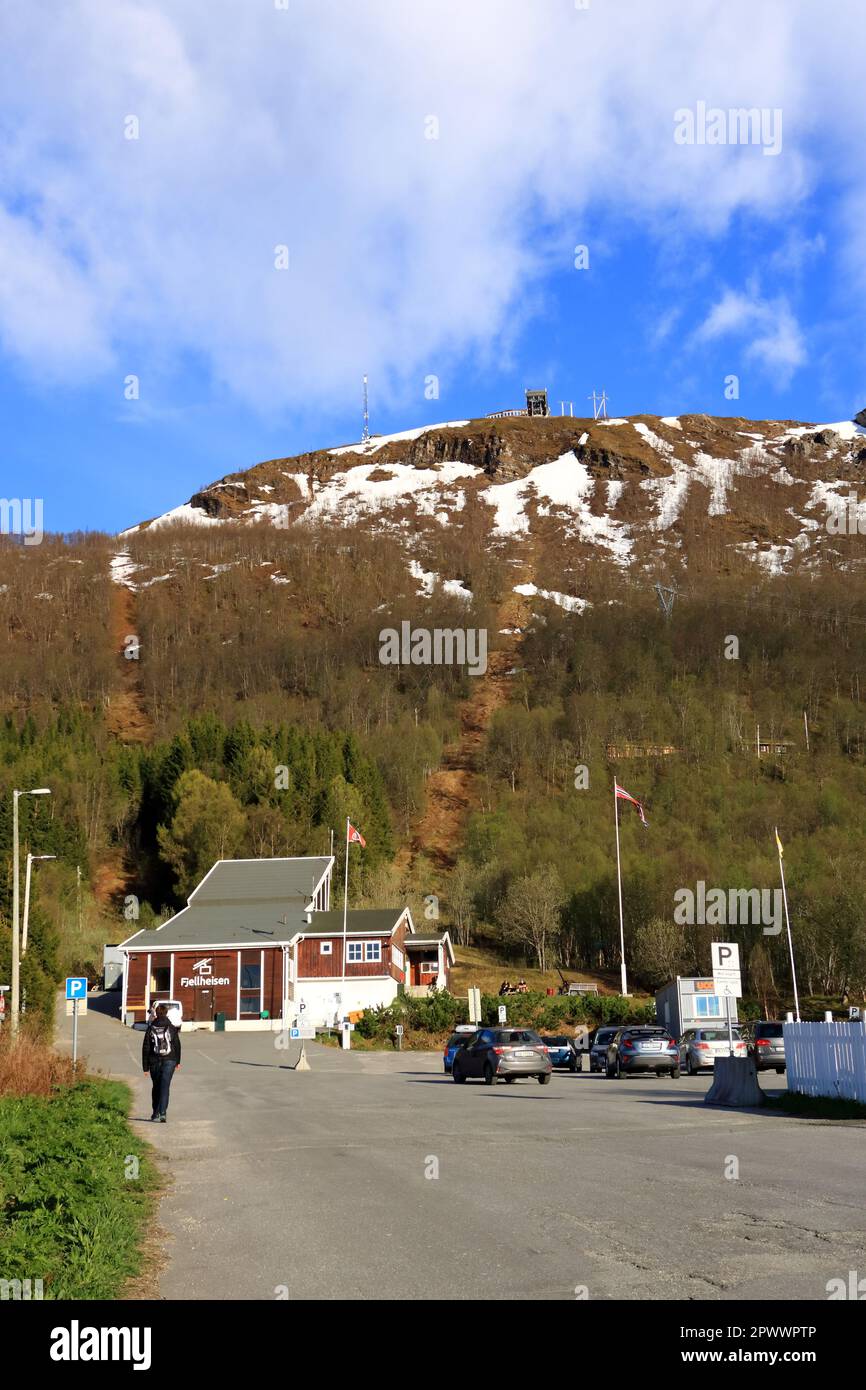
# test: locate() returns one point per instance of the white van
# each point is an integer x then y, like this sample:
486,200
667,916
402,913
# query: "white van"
175,1011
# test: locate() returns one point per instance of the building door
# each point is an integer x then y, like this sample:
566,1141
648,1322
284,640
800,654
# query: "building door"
203,1006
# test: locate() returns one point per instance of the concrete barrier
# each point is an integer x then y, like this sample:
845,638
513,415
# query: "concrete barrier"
735,1082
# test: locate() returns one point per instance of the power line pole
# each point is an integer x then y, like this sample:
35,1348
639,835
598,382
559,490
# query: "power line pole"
365,437
16,921
667,593
16,946
623,979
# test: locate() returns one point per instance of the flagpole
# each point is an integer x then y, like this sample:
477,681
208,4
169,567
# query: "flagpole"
788,925
345,916
619,889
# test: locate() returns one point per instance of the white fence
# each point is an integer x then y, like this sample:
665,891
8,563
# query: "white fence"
827,1059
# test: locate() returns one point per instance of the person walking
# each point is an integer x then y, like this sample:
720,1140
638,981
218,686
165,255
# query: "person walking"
160,1055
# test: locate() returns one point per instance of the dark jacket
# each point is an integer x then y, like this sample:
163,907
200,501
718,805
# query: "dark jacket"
147,1053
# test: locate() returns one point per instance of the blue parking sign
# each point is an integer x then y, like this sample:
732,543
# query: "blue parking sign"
76,986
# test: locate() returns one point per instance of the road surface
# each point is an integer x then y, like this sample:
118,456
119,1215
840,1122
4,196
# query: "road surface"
315,1185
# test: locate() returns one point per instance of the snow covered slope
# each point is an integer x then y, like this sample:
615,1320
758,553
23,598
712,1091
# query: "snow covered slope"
627,492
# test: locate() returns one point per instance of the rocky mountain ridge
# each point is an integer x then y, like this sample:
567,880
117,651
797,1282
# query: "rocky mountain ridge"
627,491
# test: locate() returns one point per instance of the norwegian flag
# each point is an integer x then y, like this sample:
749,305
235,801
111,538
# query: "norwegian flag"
622,795
354,837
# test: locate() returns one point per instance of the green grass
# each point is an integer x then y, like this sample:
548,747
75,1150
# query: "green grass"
69,1214
482,966
818,1107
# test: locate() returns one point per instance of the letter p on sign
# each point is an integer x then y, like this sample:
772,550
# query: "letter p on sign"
726,955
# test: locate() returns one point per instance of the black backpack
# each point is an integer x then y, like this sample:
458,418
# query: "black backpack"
160,1038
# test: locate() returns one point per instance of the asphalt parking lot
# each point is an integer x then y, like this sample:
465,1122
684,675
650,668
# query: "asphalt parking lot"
374,1176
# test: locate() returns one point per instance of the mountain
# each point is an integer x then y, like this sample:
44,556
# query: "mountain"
247,639
635,493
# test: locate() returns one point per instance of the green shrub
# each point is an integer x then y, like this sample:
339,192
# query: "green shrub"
381,1021
547,1012
440,1012
437,1013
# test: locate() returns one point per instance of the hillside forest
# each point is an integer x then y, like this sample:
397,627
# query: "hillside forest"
232,702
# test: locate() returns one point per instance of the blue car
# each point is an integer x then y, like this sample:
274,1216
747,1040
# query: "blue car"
562,1052
456,1040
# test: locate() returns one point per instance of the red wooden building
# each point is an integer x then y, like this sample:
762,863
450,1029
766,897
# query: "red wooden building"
258,943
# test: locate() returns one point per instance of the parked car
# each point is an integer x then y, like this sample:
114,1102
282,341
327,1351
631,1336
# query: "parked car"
642,1048
462,1033
598,1046
502,1052
767,1045
699,1048
562,1052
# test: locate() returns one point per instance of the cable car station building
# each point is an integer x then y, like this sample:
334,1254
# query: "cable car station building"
258,942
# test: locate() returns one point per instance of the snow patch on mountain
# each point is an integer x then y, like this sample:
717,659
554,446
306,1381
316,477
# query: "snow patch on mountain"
565,483
185,513
671,492
122,567
661,446
379,440
566,601
846,429
428,580
356,493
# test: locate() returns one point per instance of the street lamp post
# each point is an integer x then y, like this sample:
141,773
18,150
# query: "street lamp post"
16,959
30,860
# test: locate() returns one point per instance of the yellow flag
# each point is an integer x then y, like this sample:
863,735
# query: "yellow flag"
779,843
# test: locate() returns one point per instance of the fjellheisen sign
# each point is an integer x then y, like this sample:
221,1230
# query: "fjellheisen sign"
205,975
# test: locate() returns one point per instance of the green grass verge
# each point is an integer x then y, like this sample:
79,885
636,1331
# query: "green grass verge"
817,1107
72,1213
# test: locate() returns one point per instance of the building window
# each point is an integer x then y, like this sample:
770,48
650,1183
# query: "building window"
373,950
160,979
707,1006
326,948
429,967
356,951
251,989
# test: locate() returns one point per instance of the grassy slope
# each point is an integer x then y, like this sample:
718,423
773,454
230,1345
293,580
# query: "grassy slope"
481,967
69,1213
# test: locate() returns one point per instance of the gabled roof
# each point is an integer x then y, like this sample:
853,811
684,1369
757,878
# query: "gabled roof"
241,902
261,880
224,924
364,921
431,938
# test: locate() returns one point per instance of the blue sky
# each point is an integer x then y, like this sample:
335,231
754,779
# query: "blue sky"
429,171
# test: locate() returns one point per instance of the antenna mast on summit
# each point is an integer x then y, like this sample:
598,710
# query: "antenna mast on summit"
365,437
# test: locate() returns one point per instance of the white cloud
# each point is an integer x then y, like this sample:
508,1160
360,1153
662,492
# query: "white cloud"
307,127
665,325
776,340
798,253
